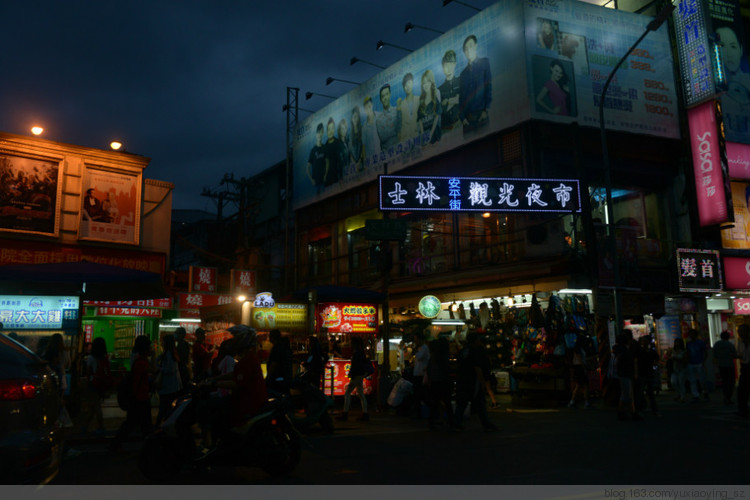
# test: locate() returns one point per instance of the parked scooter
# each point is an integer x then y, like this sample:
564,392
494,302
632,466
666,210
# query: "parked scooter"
309,405
269,441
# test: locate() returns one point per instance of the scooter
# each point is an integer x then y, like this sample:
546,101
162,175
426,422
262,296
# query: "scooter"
268,440
309,405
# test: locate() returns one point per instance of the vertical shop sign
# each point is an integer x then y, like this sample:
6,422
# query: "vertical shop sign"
694,51
699,270
737,272
709,176
242,281
203,279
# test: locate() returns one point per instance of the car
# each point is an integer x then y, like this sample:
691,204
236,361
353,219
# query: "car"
31,439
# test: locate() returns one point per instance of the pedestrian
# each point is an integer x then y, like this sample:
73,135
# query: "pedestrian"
139,413
360,368
725,354
625,369
182,350
57,357
421,359
470,382
279,366
578,376
315,362
169,374
439,383
643,385
696,356
743,351
99,377
202,354
679,369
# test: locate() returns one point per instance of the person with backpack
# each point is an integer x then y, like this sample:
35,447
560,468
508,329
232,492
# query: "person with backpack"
470,382
100,381
360,368
138,399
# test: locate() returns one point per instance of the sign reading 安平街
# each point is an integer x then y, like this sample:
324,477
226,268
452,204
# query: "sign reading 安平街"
479,194
699,270
36,313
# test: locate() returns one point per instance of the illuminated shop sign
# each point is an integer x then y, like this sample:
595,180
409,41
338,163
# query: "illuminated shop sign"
737,273
203,279
347,318
142,312
699,270
694,51
479,194
151,303
37,312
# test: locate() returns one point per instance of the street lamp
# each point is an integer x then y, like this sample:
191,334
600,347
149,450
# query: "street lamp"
308,95
115,145
355,60
382,44
331,79
37,130
411,26
446,2
612,242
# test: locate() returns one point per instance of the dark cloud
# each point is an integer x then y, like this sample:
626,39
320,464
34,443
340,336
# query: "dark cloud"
197,86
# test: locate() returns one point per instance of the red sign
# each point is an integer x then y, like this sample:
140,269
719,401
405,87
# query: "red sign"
341,380
203,279
35,252
142,312
154,303
709,176
742,306
196,300
737,273
347,318
88,329
242,281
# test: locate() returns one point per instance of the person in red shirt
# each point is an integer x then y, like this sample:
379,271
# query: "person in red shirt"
202,354
246,383
139,413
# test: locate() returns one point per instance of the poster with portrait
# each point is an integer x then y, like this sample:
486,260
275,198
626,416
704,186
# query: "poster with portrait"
110,206
30,194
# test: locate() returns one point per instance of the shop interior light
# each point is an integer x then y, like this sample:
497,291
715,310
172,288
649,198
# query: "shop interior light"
448,322
185,320
241,298
575,290
509,302
454,306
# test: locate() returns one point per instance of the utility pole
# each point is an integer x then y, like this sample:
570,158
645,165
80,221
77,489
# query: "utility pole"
292,111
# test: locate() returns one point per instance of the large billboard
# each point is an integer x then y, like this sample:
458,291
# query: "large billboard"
572,47
111,206
495,70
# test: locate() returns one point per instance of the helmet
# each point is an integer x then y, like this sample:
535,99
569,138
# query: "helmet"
244,340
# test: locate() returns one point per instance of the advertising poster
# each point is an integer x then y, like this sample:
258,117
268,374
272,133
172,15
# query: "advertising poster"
36,313
285,317
341,380
738,236
347,318
111,207
29,195
572,47
449,92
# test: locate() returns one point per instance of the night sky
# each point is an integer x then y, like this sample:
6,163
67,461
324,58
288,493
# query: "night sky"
197,86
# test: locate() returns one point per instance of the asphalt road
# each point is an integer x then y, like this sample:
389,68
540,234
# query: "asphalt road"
690,444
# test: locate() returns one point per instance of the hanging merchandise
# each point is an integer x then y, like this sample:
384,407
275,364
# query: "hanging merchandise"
472,311
461,311
484,315
495,310
535,312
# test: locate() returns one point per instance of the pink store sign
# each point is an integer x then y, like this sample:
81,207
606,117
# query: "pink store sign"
737,273
738,157
709,179
742,306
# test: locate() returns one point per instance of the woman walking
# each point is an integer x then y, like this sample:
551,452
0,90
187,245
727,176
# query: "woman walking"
171,385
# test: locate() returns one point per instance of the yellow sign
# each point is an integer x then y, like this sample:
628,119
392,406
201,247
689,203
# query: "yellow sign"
285,317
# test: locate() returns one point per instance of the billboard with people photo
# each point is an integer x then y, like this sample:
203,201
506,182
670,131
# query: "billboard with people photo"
110,207
514,61
29,195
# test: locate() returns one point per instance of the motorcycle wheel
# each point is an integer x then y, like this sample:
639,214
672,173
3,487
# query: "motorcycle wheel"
284,452
159,460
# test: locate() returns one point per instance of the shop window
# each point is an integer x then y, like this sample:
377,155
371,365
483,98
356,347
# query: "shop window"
427,248
320,259
362,257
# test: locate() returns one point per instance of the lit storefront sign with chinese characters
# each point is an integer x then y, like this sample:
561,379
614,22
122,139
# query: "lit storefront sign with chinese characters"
479,194
699,270
737,272
695,57
37,312
203,279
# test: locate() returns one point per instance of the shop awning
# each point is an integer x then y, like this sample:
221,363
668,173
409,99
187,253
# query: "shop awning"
332,293
89,280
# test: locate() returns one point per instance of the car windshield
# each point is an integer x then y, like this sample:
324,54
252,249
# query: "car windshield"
11,352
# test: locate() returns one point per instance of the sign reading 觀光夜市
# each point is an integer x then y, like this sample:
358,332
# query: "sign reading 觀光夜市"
515,61
19,312
479,194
